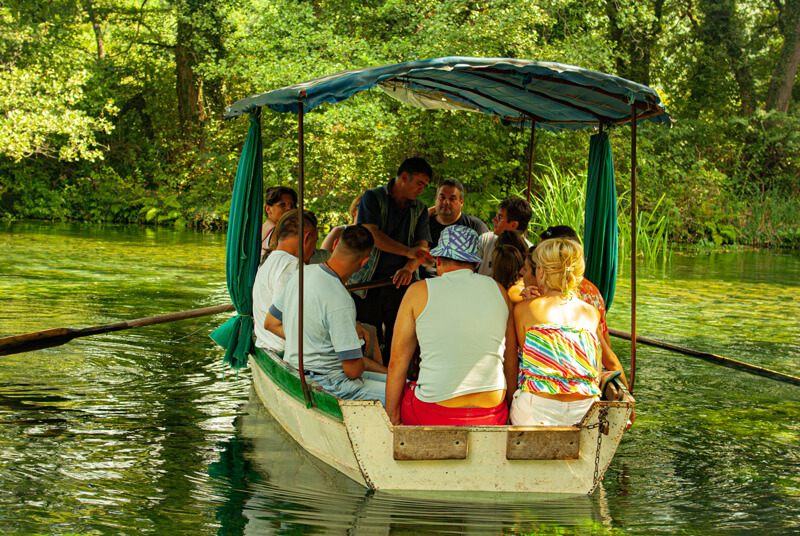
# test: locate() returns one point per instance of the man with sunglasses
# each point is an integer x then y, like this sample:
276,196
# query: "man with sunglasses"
513,214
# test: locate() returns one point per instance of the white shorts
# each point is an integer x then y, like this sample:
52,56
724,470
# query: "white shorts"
528,409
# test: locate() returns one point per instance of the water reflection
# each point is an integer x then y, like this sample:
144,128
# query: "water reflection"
267,484
144,431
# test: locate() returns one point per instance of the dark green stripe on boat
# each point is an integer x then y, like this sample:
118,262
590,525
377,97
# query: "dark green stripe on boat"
288,379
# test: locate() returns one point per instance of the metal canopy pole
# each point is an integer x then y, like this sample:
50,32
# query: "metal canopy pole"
301,255
530,162
633,245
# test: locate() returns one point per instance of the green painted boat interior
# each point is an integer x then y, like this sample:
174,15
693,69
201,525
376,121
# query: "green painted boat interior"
288,378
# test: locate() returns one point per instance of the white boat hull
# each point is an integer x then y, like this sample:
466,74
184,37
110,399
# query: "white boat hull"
362,446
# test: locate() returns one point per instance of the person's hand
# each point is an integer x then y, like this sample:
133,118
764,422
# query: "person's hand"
395,418
529,293
631,420
403,276
362,334
419,253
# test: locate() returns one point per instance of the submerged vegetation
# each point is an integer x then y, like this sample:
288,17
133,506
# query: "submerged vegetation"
110,110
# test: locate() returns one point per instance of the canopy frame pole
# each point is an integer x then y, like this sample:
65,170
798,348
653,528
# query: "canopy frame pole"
531,145
301,253
633,246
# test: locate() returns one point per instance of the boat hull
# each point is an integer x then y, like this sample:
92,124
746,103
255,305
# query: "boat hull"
361,443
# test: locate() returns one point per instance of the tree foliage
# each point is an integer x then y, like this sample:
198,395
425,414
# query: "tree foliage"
111,109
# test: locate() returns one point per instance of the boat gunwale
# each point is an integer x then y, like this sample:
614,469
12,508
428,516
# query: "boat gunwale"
264,357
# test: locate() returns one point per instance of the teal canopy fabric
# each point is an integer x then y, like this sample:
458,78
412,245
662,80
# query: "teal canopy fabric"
243,250
600,240
554,96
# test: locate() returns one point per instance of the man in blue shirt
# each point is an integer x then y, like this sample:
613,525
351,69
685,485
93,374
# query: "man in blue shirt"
399,224
332,351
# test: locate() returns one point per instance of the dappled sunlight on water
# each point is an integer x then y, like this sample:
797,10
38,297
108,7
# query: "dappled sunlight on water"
145,431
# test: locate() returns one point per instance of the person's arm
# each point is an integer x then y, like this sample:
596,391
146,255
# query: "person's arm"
610,359
384,243
353,368
274,325
404,342
274,320
331,239
511,354
370,365
405,275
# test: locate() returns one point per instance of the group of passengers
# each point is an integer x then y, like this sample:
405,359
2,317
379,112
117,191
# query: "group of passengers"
525,345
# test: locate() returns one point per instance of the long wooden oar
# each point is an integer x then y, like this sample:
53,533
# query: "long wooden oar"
48,338
713,358
58,336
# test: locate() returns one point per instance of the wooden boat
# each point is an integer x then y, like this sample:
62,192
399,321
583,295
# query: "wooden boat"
356,437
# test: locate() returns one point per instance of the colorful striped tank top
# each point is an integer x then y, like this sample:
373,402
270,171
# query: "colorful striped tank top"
560,359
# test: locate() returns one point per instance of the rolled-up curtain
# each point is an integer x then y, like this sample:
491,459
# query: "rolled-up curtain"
600,239
243,250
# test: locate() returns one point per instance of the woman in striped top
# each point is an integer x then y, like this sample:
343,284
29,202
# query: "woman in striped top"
561,357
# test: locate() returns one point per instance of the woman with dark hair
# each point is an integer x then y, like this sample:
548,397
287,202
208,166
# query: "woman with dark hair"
507,260
277,200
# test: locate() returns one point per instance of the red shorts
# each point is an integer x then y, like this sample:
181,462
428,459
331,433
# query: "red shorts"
413,411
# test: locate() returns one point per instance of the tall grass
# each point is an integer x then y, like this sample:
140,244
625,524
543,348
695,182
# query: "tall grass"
652,232
560,199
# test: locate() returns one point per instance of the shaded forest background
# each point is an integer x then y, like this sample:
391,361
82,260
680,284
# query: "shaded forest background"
111,110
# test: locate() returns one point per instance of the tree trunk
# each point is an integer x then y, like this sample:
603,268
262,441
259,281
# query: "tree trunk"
780,85
98,31
722,27
636,39
188,85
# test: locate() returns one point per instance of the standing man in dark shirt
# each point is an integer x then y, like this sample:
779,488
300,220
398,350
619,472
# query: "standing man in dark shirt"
399,225
447,211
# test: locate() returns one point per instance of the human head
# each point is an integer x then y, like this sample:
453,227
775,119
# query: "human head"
354,245
560,231
559,264
514,239
287,228
354,208
507,261
412,176
458,245
513,214
450,199
279,199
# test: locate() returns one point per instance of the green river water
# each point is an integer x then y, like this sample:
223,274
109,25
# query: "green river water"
145,432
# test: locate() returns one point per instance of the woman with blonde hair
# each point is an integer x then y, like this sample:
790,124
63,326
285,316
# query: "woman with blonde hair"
561,357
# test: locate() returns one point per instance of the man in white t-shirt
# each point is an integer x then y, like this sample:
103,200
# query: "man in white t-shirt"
513,214
279,265
332,350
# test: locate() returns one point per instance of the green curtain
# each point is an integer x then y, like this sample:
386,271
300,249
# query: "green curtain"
243,250
600,225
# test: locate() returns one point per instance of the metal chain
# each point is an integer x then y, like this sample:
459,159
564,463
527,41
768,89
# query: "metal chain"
602,425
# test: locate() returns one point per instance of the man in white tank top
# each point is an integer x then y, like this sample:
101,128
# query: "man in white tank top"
459,321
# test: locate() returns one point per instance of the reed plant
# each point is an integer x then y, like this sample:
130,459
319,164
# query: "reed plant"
652,232
559,198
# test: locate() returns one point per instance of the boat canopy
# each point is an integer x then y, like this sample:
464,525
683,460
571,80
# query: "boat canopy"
551,96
